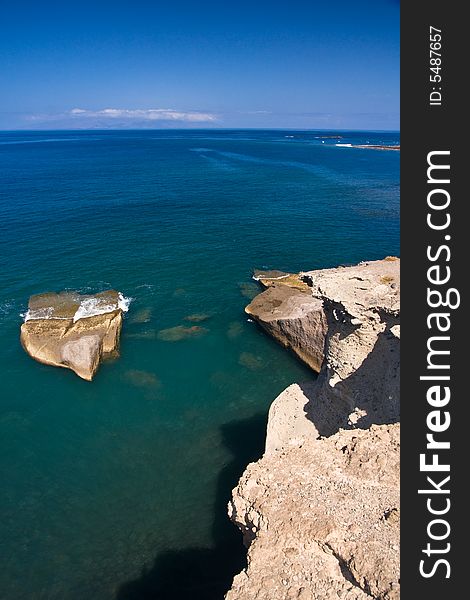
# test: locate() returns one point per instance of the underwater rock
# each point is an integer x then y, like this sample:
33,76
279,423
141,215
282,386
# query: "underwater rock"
175,334
144,315
144,379
234,330
197,317
248,289
250,361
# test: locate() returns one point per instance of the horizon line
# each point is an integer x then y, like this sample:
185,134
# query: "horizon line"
82,129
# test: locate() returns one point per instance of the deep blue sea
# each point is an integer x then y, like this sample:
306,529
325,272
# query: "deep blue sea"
117,489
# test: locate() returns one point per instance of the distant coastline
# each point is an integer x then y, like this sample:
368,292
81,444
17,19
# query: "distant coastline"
370,146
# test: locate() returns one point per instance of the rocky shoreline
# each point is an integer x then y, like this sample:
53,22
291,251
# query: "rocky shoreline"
319,512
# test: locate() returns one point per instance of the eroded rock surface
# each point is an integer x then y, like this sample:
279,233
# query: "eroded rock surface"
360,375
73,331
321,520
293,317
320,511
345,320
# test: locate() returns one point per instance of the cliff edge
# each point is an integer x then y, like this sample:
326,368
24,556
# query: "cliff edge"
320,511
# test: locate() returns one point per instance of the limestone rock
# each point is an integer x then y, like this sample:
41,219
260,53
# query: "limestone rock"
288,424
348,322
260,275
293,317
73,331
316,520
360,376
320,511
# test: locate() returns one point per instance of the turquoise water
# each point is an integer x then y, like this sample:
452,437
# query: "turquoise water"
116,489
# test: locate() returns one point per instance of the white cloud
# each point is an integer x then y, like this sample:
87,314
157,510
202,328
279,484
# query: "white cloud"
150,114
254,112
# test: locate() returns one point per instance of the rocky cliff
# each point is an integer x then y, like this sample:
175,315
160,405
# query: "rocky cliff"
343,322
73,331
321,520
293,316
320,511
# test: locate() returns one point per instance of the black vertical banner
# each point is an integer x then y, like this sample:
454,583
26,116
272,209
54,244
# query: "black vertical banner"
434,130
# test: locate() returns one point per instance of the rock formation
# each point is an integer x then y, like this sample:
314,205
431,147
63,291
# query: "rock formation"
73,331
320,511
294,317
321,520
347,320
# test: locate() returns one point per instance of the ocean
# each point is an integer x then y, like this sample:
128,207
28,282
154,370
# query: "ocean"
117,489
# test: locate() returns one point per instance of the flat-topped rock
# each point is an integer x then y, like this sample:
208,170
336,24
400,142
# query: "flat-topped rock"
260,275
294,308
368,286
294,318
72,330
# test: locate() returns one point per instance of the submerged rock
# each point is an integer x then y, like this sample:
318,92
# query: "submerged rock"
144,315
147,334
144,379
197,317
234,330
73,331
175,334
248,289
250,361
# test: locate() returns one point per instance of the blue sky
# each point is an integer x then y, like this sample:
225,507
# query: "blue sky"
298,64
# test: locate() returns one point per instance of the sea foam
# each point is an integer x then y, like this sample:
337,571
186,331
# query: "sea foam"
88,307
91,307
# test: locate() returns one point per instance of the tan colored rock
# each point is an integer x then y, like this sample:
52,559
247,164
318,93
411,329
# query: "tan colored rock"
317,520
360,377
83,353
320,515
73,331
348,322
288,423
294,318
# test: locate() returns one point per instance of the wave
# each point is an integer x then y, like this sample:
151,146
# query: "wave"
147,286
91,307
6,307
88,307
39,313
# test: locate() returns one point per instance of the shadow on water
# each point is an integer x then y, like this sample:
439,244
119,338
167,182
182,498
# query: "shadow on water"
206,573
